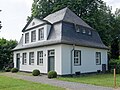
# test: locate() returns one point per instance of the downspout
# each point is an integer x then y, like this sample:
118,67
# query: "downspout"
71,66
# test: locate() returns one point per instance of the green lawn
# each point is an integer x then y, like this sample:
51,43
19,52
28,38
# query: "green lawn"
98,79
7,83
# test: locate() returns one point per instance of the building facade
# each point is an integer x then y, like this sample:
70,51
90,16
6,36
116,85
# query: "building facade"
61,42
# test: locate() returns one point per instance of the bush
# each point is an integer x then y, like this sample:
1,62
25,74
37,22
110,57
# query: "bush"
114,64
7,69
36,72
14,70
52,74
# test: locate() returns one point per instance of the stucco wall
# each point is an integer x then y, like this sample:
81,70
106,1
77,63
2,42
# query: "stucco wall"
44,68
88,59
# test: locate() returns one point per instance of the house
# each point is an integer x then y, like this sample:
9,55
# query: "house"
62,42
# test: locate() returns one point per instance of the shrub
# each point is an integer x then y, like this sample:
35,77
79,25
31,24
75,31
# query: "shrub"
52,74
7,69
114,63
36,72
14,70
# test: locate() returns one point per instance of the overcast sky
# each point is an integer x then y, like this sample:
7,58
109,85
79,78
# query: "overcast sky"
14,14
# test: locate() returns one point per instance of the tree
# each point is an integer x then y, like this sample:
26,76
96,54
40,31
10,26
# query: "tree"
0,22
5,51
116,36
0,25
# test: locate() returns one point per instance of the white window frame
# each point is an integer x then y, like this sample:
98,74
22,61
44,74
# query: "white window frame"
77,57
40,58
24,58
89,32
27,37
41,34
31,58
51,53
83,31
98,58
33,36
77,27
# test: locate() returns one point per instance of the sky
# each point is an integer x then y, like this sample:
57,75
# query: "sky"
14,14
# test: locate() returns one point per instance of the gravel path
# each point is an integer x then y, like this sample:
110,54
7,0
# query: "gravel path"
68,85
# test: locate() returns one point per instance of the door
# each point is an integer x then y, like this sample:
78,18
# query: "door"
103,68
18,61
51,60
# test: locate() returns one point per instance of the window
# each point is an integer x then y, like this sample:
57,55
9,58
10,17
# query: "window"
27,38
51,53
31,58
89,32
24,58
33,23
40,58
83,31
77,57
98,58
77,28
33,36
41,34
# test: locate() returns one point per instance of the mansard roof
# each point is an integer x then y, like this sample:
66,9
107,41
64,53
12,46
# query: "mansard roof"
65,15
67,34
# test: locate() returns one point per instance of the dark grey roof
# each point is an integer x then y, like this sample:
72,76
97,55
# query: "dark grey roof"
67,34
65,15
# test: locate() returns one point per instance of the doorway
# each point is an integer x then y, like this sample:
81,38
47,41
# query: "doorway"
18,60
51,60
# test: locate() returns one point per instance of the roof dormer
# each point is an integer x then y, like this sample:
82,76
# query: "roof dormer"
33,23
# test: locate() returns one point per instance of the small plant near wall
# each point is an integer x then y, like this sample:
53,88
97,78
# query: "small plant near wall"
36,72
7,69
52,74
14,70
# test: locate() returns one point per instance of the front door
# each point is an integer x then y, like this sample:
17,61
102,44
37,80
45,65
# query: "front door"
18,60
51,60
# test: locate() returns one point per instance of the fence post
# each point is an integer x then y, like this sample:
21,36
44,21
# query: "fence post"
114,78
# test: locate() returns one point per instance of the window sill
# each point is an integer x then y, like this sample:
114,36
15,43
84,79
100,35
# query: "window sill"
98,64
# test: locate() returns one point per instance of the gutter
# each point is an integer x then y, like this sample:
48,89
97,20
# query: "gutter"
71,65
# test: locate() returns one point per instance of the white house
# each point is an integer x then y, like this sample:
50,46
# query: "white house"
62,42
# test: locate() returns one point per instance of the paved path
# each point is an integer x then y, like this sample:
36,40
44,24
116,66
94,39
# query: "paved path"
68,85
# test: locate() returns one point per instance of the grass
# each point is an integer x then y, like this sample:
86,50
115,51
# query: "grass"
96,79
7,83
24,73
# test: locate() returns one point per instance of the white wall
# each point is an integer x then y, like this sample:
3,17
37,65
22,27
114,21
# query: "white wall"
36,21
46,27
44,68
88,61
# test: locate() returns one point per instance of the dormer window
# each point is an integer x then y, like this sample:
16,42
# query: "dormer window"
83,31
89,32
33,36
77,28
41,34
26,37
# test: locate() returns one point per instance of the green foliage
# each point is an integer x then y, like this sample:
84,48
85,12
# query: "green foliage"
52,74
114,63
36,72
115,49
6,55
14,70
7,69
